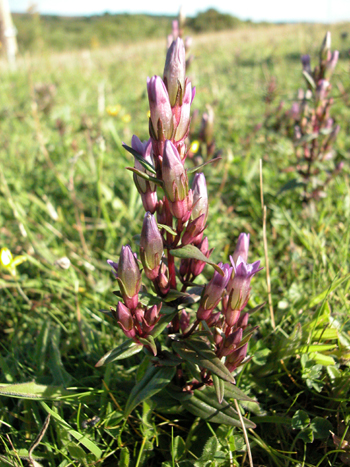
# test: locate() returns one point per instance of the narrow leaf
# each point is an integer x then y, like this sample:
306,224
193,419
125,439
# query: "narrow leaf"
309,79
125,350
195,169
167,228
192,252
198,352
139,157
78,436
319,298
33,391
153,381
219,386
145,176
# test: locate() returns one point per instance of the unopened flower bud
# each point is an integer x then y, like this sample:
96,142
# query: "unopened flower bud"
174,71
321,91
184,320
125,320
151,319
243,321
231,342
161,113
200,197
331,64
194,231
147,190
325,47
306,62
236,358
213,292
184,120
163,279
242,248
197,266
129,277
151,246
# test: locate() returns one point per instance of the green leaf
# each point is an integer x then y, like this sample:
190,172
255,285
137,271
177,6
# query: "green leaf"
125,350
219,386
197,351
124,457
33,391
309,79
192,252
205,405
233,392
145,176
198,167
149,340
321,428
163,323
179,448
168,229
307,435
319,298
290,185
210,449
78,436
300,420
139,157
152,382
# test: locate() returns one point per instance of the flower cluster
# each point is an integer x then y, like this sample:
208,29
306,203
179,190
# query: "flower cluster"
173,226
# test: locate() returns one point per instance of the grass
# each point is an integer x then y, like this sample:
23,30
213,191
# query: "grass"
65,193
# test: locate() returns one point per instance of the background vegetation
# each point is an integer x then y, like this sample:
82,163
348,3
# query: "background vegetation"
65,193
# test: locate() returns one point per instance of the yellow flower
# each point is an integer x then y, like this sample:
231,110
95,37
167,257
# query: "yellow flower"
126,118
194,146
113,110
7,261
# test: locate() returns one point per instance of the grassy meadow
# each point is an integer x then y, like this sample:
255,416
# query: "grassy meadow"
65,193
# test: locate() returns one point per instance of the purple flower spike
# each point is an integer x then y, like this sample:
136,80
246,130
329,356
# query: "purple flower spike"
213,292
242,248
174,71
129,277
151,246
160,108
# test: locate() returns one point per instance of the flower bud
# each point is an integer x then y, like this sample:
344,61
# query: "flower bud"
184,121
174,71
243,321
331,64
161,114
147,190
321,91
236,358
325,47
129,277
151,246
231,342
306,62
239,287
213,292
196,265
163,279
151,319
184,320
194,231
242,248
125,320
206,132
200,197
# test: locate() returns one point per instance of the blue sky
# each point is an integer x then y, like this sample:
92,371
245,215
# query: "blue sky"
325,11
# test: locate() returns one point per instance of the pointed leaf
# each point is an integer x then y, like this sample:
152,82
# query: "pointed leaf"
195,169
33,391
197,351
167,228
205,405
192,252
139,157
309,79
233,392
150,342
125,350
145,176
153,381
163,323
319,298
219,386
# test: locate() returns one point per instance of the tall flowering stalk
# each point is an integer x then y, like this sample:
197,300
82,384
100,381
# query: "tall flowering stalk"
206,326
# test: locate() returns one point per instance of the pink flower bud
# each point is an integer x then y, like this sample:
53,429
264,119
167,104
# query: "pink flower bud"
161,113
193,230
197,266
151,246
325,47
242,248
147,190
200,197
151,319
174,71
174,175
184,120
213,292
129,277
236,358
125,320
231,342
331,64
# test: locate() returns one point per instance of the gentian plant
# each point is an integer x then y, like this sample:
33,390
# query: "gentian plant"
193,337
